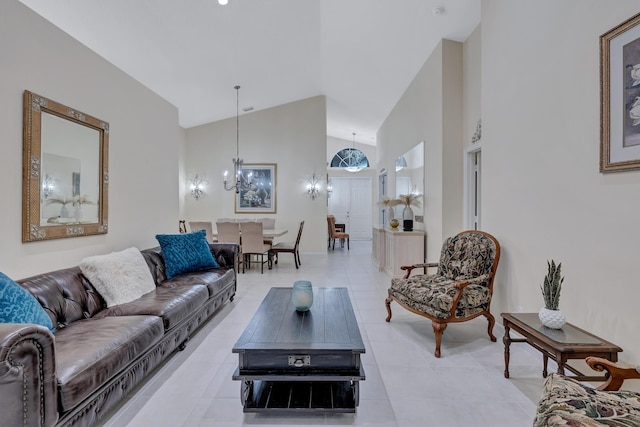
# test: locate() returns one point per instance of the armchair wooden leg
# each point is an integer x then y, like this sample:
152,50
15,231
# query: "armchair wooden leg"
438,330
387,303
492,321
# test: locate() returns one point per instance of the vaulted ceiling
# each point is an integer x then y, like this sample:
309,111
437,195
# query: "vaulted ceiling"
360,54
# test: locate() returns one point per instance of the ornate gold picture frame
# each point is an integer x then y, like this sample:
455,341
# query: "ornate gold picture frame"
65,179
620,97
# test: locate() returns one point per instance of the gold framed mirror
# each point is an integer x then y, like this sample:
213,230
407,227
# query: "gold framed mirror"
65,177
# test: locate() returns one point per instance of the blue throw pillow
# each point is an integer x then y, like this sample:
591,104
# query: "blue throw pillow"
186,252
17,305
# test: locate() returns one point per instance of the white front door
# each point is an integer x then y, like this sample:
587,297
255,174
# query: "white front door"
350,203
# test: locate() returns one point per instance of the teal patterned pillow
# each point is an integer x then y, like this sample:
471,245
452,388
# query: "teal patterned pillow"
17,305
185,252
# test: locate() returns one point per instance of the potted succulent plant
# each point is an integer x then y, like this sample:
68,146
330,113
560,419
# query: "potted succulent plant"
550,315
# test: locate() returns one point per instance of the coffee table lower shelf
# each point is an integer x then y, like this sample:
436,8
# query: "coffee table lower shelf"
299,394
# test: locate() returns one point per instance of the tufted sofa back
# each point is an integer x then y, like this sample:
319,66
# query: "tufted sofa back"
66,295
467,255
155,261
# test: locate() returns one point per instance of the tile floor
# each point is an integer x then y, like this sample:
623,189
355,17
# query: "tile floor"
405,386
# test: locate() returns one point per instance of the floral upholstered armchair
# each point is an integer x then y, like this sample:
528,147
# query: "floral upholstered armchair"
566,402
460,290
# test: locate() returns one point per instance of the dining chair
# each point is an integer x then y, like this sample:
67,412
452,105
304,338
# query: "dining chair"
267,224
226,220
203,225
229,232
253,245
334,233
288,248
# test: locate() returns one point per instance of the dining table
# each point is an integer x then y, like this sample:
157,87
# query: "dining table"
267,233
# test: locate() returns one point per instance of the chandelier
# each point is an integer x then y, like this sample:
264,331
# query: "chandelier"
240,181
354,158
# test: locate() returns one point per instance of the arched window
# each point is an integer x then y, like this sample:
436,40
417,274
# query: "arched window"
350,159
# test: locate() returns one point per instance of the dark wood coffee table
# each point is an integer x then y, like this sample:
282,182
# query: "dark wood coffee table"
293,361
560,345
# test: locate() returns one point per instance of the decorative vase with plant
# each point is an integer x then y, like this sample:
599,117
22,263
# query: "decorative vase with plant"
408,200
63,201
550,316
389,205
78,201
252,198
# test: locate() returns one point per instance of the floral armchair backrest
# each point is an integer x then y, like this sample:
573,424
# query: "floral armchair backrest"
466,256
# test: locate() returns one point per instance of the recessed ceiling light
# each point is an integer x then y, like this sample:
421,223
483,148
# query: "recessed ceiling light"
223,2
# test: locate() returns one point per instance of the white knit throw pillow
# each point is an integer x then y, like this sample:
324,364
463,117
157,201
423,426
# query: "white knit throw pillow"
120,277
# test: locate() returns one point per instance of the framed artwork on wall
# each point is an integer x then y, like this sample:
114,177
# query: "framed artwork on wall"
620,97
261,198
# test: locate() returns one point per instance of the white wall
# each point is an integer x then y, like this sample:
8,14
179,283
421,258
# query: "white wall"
145,140
543,195
472,62
294,136
430,110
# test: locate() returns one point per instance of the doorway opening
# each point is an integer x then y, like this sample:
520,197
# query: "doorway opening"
474,189
350,203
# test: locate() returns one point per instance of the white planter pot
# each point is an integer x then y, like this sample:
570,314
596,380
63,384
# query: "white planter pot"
554,319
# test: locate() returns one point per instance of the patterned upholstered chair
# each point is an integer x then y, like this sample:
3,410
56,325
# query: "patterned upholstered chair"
567,402
460,290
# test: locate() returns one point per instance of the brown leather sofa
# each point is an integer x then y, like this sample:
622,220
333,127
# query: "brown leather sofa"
99,354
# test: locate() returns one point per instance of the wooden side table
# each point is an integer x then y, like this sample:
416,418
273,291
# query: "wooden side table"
560,345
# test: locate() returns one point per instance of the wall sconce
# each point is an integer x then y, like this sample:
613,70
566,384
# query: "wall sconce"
313,187
48,186
197,185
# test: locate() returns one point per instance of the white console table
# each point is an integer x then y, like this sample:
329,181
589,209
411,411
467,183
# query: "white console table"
395,248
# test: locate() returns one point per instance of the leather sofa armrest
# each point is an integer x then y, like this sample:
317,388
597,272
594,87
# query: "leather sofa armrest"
229,252
27,376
